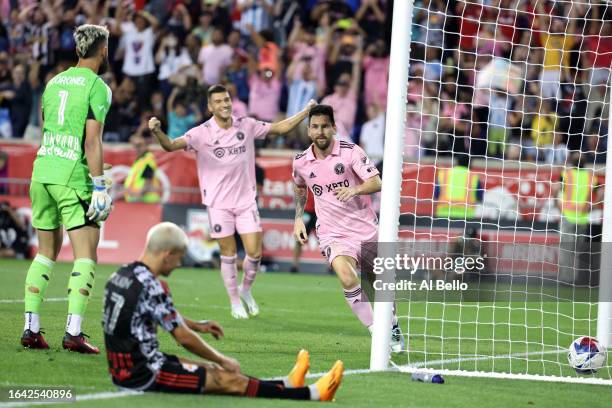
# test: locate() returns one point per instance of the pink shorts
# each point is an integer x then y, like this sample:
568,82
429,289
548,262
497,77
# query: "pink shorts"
331,248
224,222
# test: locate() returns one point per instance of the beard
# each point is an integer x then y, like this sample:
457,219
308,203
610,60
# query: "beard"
104,66
322,144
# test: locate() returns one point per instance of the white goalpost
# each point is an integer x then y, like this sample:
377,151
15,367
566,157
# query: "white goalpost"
496,130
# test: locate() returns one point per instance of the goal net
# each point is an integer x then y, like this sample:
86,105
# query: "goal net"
504,163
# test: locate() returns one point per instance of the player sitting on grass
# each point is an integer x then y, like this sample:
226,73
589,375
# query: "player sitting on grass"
136,302
68,186
341,177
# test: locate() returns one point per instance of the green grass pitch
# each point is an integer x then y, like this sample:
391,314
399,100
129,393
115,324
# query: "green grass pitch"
306,311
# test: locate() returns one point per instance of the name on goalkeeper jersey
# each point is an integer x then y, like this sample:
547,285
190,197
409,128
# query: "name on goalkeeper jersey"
410,263
66,80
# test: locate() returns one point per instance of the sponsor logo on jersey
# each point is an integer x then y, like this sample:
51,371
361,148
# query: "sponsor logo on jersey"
312,175
332,186
240,136
219,152
339,169
317,189
236,150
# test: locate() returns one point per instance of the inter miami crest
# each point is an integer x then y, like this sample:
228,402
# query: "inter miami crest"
219,152
339,169
217,228
317,189
240,136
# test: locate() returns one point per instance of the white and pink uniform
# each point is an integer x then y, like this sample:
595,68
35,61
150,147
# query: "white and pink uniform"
341,226
226,171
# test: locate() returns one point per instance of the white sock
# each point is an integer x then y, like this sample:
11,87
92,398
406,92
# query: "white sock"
73,324
314,392
287,383
32,322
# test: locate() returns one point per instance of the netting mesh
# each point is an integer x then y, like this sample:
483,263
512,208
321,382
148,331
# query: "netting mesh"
505,144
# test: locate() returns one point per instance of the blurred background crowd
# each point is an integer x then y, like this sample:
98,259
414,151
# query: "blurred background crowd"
507,79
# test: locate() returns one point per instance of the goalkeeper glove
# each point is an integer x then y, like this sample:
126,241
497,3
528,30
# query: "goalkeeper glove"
101,201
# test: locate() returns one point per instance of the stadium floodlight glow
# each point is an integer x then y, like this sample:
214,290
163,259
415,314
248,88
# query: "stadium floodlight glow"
499,85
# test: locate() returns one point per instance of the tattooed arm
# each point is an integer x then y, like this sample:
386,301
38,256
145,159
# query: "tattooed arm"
299,229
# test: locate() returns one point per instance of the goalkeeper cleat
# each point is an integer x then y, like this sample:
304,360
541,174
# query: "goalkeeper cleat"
398,344
32,340
329,383
248,299
79,344
238,312
297,376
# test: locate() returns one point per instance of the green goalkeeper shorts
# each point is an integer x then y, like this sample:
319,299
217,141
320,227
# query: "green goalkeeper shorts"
55,205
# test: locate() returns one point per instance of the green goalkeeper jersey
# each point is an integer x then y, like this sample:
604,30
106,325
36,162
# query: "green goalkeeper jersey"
70,98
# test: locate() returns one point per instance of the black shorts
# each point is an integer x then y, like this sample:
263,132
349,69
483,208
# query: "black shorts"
177,377
312,222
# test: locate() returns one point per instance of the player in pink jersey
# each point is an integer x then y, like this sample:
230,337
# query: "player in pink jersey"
341,177
225,155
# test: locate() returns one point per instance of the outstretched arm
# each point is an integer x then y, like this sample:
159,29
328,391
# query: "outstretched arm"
371,185
163,139
287,125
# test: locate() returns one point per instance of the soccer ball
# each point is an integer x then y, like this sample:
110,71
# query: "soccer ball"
586,355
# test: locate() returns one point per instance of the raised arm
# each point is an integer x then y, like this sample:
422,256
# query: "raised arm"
287,125
163,139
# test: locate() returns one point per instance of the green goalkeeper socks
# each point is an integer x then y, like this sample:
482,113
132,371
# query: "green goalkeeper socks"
80,285
36,283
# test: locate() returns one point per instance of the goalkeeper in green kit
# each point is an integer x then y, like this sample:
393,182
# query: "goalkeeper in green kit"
68,186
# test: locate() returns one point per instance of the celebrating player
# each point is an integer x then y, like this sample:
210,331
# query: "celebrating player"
136,302
339,174
74,106
225,153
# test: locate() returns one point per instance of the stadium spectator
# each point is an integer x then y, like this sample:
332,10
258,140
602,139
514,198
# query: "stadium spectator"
543,128
18,98
457,191
301,90
302,43
171,56
255,15
204,29
182,115
215,57
556,153
371,17
137,31
373,133
376,78
265,91
238,75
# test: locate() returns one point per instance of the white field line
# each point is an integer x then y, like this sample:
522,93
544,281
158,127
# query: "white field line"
62,299
394,368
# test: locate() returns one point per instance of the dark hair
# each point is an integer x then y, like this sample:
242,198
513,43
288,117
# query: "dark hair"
215,89
463,160
322,110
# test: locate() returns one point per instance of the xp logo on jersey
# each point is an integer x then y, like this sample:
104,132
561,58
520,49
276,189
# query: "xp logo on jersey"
339,169
332,186
219,152
317,189
240,136
217,228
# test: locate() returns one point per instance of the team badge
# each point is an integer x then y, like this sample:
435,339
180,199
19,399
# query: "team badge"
317,190
240,136
217,228
219,152
339,169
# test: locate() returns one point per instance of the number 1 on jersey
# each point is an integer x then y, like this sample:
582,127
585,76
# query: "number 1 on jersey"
62,107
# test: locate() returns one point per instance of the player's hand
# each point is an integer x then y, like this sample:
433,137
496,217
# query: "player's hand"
299,231
101,202
311,104
230,364
154,124
210,326
344,194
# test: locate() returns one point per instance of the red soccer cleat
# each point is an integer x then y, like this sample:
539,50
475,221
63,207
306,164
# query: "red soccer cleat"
79,344
32,340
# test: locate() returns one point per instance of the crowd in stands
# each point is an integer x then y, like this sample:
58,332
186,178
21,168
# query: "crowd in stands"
275,55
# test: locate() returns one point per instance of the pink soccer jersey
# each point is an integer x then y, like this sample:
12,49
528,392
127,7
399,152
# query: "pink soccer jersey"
346,166
226,161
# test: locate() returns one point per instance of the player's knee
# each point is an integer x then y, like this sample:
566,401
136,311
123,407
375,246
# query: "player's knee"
347,277
255,255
